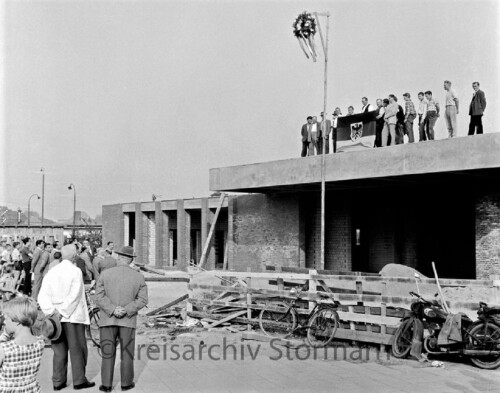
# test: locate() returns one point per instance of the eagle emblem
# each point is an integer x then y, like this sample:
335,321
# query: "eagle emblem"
356,131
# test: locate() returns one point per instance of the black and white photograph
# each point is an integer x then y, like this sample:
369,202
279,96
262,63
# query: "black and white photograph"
249,196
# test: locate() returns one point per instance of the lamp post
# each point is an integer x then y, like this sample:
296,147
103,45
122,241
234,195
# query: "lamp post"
72,187
43,195
29,207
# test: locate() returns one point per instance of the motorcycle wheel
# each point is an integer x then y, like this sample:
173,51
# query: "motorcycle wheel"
485,338
430,344
401,345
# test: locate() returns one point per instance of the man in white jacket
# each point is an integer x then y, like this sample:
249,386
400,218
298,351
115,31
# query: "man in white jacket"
63,293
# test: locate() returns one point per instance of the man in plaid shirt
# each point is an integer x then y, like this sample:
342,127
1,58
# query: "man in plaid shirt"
410,115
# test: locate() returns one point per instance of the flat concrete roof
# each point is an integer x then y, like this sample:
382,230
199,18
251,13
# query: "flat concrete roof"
466,158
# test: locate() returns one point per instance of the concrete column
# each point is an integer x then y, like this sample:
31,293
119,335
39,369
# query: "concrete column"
159,238
183,236
165,240
138,246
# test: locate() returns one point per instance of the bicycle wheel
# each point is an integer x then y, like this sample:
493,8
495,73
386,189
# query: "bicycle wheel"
485,338
277,319
401,345
322,327
93,328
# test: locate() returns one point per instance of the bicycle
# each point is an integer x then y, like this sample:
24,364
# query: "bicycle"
279,319
92,330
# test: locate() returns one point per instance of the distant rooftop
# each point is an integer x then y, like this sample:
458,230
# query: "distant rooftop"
471,158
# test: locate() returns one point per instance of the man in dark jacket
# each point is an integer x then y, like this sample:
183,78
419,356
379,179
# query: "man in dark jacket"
400,125
476,110
306,132
120,293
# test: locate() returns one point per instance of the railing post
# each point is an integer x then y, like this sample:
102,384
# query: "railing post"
249,299
496,287
312,289
189,305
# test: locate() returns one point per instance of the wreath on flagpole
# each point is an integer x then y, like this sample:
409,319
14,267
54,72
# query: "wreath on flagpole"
304,28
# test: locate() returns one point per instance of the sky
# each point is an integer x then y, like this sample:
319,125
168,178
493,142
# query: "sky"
129,98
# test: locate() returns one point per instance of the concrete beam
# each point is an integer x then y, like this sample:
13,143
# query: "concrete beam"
471,153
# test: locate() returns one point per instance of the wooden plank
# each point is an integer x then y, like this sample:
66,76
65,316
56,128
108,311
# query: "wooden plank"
242,305
367,318
290,284
228,318
168,305
223,294
204,315
210,233
166,279
357,335
263,338
351,277
290,269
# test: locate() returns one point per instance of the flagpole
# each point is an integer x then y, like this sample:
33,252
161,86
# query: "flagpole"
324,141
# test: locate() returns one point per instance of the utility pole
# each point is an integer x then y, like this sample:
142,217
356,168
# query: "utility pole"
43,195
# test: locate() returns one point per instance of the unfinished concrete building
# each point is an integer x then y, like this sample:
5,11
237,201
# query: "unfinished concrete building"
409,204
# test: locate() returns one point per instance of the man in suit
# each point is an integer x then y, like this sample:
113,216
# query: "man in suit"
89,250
307,146
37,253
63,294
41,268
336,114
324,135
476,110
120,293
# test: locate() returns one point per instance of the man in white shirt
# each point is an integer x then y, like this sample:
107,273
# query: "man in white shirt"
451,112
314,135
423,123
366,106
63,293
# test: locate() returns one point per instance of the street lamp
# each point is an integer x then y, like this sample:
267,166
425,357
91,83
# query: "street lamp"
29,205
72,187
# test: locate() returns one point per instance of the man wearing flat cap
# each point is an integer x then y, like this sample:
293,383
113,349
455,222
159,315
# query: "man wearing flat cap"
120,293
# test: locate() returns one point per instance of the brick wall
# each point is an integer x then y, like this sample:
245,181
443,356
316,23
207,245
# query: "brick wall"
112,225
487,235
338,234
265,231
338,229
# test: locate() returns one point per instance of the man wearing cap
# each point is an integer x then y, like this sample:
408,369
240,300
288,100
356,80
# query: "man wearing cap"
120,293
63,294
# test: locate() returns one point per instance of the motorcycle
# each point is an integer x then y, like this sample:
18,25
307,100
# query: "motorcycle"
479,340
